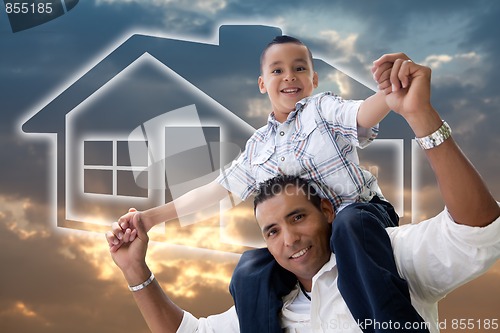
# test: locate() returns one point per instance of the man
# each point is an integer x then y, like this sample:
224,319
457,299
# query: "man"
434,256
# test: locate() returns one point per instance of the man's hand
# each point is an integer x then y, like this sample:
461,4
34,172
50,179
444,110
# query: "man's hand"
409,91
132,251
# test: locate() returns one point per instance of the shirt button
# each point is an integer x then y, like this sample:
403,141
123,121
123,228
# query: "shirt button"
282,133
282,159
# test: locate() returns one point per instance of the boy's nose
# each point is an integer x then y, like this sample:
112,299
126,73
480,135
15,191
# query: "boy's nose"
290,77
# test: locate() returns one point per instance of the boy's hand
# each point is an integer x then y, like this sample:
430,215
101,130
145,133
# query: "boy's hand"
383,72
409,89
123,231
130,256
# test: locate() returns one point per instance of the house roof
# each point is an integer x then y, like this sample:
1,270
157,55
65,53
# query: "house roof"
233,41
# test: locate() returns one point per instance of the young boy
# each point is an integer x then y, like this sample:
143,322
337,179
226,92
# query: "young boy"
314,137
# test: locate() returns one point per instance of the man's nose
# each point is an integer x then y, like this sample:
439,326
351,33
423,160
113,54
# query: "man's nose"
290,236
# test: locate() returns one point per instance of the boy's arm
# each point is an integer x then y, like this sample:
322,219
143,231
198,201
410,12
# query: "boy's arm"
372,110
193,201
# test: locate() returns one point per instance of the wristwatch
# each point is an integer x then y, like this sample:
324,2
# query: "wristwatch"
435,139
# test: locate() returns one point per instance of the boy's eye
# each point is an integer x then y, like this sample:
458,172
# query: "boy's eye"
276,71
300,69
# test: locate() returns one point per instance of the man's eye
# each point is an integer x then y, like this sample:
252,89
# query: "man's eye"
271,232
298,217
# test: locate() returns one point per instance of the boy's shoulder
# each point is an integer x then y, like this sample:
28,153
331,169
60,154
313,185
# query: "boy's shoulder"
323,94
318,98
261,133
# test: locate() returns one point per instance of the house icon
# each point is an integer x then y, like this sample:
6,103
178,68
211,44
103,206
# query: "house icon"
139,129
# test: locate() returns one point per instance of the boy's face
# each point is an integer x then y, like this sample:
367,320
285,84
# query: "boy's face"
296,232
287,77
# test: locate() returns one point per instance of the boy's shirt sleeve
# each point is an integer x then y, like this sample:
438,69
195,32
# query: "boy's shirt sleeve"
342,116
238,178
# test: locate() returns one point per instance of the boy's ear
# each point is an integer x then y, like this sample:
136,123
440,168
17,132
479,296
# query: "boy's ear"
315,80
262,87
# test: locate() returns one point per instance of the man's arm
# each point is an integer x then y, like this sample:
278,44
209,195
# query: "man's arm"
160,313
465,194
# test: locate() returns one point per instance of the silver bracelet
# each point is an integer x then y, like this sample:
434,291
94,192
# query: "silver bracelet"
436,138
142,285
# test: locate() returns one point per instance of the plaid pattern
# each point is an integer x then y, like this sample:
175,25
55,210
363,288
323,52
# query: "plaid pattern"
317,141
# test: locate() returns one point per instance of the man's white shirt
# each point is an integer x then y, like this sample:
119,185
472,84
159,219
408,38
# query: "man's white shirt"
435,257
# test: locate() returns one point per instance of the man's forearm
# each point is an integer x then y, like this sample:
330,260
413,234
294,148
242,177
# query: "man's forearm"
464,192
159,312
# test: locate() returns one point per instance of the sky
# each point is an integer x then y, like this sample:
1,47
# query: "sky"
58,276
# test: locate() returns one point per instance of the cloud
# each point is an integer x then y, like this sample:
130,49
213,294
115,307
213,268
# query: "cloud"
60,277
342,81
435,61
335,41
258,108
211,6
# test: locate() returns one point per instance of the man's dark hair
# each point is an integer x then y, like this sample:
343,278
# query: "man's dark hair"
285,183
283,40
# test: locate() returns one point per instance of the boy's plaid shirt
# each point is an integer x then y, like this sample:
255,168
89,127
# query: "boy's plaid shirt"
317,141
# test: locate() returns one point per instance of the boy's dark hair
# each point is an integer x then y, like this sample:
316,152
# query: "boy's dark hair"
283,40
285,183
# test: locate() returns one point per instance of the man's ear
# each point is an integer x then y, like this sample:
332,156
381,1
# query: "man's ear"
327,210
315,80
262,87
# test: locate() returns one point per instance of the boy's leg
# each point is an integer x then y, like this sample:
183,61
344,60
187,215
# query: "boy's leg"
257,285
368,278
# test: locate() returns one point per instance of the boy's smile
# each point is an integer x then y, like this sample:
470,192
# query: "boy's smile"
287,77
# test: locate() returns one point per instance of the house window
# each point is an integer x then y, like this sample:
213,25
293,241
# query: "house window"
117,168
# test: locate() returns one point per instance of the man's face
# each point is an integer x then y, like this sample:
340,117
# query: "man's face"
296,232
287,77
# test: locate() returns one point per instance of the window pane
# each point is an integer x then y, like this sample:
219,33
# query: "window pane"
98,181
127,185
132,153
98,153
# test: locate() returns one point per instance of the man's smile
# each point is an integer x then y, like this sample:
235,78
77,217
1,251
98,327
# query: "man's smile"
300,253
